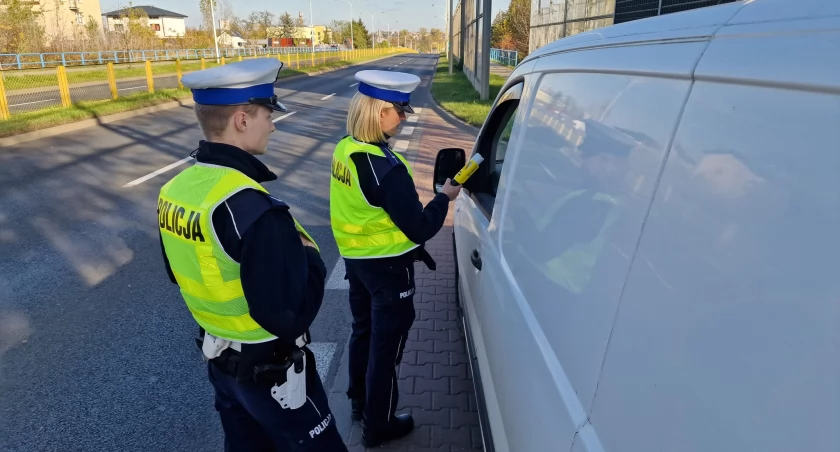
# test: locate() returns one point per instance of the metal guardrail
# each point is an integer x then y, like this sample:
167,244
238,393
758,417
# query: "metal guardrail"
50,60
506,57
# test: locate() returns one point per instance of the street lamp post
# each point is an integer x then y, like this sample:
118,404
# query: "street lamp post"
373,20
215,38
312,27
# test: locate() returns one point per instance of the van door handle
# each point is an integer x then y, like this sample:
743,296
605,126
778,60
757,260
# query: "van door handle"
476,259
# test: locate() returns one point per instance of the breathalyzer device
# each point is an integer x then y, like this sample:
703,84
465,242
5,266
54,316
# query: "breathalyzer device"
468,170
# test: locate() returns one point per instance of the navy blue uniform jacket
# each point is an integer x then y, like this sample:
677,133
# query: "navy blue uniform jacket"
385,182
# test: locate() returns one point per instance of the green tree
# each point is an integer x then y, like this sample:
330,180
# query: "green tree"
20,28
361,35
498,29
286,25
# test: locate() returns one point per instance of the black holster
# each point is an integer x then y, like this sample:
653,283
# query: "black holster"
421,255
262,364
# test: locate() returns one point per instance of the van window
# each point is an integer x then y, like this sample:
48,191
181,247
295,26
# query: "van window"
493,146
590,150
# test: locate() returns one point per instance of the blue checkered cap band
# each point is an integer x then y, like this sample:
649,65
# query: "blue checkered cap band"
387,85
234,83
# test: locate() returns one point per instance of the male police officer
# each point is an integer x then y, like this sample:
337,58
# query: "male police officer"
251,276
379,226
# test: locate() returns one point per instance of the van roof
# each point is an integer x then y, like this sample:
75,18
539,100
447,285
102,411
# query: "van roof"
697,23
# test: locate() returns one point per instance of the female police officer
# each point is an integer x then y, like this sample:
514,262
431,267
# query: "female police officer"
250,275
379,226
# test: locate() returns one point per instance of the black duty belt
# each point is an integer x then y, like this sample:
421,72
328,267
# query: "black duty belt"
263,373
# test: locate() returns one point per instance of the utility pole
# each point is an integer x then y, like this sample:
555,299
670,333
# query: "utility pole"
215,38
312,26
484,93
449,26
373,24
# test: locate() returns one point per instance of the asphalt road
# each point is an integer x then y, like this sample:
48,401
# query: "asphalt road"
96,350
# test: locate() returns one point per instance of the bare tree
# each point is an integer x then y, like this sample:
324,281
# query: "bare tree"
206,13
225,11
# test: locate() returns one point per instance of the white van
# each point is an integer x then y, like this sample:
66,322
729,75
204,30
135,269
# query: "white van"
649,257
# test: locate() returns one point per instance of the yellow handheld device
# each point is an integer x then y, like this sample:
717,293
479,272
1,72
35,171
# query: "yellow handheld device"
468,170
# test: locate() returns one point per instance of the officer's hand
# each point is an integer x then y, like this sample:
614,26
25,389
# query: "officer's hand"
306,242
450,190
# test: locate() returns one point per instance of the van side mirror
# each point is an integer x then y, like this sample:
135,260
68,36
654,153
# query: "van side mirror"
447,164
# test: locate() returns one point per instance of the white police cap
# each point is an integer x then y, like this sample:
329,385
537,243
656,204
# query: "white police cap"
394,87
244,82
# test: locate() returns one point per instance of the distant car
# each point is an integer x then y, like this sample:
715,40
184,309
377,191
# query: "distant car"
647,258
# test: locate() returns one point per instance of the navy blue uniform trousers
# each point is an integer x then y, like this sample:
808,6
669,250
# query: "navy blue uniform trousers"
254,422
382,304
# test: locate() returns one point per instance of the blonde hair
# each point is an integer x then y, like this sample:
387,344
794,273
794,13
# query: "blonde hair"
363,122
213,119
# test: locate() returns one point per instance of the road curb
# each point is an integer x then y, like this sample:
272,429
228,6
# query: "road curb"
83,124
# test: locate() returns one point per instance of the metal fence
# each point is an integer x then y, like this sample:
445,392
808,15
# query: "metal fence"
505,57
30,90
47,60
471,42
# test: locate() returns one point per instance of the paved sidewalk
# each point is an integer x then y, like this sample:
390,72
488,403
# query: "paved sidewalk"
500,69
435,378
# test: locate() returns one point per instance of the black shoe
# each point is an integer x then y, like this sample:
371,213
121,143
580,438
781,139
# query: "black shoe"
400,425
356,410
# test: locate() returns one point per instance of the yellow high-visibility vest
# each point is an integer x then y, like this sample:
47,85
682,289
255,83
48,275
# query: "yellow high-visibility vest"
209,279
361,230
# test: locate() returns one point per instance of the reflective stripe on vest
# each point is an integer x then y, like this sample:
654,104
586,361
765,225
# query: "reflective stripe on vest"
209,279
360,229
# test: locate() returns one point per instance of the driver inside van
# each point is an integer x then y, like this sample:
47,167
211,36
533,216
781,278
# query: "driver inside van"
575,226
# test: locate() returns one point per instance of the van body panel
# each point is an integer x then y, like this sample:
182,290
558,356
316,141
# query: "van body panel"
785,10
777,54
708,318
726,334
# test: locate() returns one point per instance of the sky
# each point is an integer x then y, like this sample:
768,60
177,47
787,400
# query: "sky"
400,14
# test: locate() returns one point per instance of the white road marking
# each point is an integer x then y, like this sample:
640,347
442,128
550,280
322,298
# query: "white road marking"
29,103
160,171
327,97
337,280
284,116
401,146
419,110
408,130
354,84
133,87
411,119
324,352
